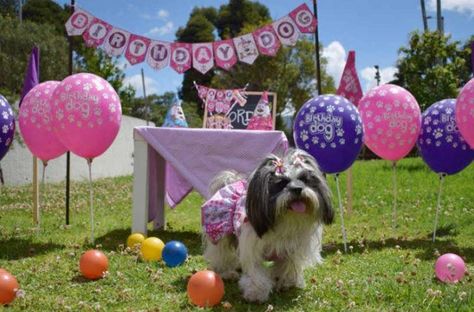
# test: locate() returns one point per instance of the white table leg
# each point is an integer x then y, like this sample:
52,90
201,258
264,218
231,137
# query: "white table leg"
140,185
159,222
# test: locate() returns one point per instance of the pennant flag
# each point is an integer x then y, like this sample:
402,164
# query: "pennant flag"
246,48
240,97
116,41
203,58
136,49
210,100
78,22
181,56
350,85
286,31
224,54
267,40
95,34
304,19
202,91
32,73
158,55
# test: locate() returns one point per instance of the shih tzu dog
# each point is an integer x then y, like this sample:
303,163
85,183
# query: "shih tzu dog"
276,215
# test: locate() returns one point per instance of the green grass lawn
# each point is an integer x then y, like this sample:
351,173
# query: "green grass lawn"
384,270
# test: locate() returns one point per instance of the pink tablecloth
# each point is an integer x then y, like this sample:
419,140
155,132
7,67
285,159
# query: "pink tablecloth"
194,156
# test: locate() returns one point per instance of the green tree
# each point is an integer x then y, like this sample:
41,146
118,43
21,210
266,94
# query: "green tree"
432,67
469,68
235,15
46,12
9,8
14,53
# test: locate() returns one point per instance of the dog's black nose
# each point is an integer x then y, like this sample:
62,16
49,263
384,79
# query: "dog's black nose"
295,188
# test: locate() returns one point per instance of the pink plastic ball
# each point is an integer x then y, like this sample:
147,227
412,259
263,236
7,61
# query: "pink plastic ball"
450,268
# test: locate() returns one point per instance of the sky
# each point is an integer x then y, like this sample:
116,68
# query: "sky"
374,29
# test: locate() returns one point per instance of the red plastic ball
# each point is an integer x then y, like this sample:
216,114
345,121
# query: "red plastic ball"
93,264
8,287
205,288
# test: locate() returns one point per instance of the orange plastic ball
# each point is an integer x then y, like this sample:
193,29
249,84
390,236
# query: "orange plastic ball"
3,271
93,264
8,287
205,288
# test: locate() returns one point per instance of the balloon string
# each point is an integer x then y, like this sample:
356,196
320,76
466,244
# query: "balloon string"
40,197
394,181
341,209
89,163
438,205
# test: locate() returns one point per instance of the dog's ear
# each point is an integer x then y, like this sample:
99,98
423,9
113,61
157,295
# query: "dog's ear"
260,208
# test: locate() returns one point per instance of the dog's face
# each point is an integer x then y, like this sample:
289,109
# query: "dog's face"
293,184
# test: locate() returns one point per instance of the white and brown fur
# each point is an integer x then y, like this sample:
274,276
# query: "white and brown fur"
273,228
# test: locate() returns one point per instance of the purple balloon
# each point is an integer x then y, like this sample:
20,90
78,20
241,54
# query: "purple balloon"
330,129
7,126
440,143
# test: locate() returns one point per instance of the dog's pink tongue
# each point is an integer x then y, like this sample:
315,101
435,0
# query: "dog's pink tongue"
298,206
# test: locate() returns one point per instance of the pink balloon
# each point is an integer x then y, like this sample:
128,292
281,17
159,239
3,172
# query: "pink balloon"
450,268
392,121
36,124
86,114
465,112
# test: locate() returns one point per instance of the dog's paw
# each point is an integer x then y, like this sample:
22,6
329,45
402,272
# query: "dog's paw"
254,291
230,275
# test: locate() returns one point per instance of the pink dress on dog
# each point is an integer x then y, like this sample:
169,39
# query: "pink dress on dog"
224,213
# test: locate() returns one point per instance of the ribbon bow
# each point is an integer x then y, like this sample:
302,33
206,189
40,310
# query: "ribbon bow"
299,161
279,168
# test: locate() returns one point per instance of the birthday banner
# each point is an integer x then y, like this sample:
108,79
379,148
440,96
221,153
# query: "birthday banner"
181,56
220,101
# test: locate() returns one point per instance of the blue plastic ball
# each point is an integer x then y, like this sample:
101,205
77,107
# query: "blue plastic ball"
174,253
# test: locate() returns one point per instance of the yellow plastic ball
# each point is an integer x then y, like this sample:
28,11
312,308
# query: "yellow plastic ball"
152,248
135,239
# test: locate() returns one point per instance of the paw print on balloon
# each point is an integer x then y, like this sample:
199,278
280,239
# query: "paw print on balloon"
304,135
59,114
438,133
5,129
5,115
112,107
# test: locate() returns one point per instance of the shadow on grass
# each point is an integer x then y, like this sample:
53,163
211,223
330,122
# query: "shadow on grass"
425,246
16,248
191,240
410,167
79,279
281,301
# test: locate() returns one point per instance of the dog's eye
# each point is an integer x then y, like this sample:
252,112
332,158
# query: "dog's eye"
280,184
305,178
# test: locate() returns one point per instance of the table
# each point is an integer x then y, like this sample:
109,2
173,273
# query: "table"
170,162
